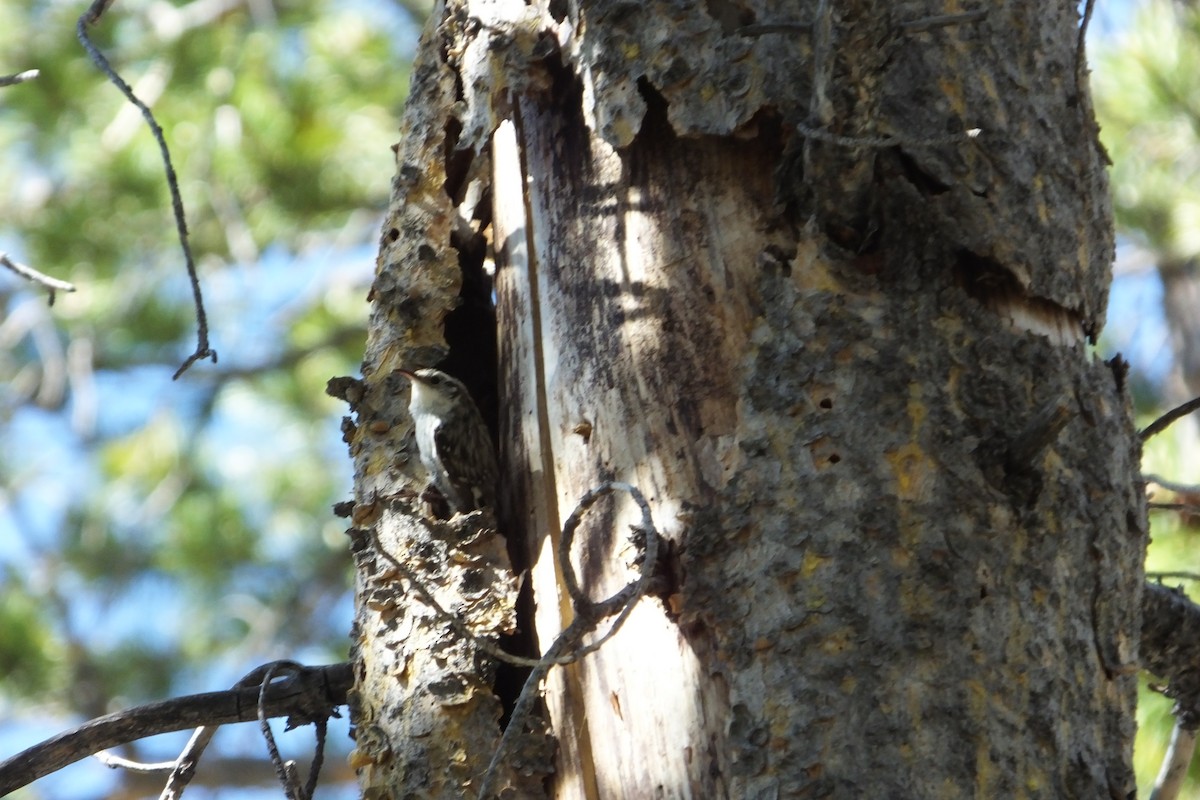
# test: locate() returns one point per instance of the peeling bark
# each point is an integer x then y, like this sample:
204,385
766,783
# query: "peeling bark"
424,706
847,366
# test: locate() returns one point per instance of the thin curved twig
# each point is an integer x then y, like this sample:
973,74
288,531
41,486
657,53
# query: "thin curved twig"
588,614
30,274
203,350
285,771
20,77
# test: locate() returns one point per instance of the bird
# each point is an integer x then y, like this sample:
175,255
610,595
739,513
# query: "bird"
453,441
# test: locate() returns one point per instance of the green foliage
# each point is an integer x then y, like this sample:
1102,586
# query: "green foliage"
1173,549
277,129
28,652
160,538
1148,104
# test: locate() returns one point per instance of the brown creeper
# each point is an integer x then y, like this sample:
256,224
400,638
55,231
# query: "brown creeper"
453,440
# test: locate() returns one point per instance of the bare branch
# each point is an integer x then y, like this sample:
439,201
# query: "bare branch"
286,771
184,767
1178,488
309,695
1162,423
31,274
1160,576
1175,763
20,77
588,614
1190,508
89,17
114,761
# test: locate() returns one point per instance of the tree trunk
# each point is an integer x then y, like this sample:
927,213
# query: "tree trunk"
1181,301
751,263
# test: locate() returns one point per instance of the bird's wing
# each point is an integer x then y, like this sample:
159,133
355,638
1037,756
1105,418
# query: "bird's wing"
470,467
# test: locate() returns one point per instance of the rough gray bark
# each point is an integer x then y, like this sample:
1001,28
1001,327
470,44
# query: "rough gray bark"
851,375
425,715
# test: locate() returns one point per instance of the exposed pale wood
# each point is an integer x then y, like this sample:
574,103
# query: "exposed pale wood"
825,364
636,358
825,433
529,453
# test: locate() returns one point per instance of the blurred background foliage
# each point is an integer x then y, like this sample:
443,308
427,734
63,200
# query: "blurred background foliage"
156,537
1146,80
1147,85
159,538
